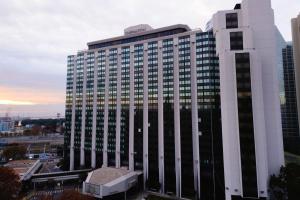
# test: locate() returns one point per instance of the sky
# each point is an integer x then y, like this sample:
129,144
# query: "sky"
37,35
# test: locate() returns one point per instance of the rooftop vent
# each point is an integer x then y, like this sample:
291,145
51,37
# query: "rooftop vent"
237,6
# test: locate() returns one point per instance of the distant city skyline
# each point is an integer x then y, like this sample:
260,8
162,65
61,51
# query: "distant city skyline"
32,111
36,37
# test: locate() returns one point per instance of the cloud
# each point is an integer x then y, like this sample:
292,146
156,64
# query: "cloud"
33,95
10,102
37,35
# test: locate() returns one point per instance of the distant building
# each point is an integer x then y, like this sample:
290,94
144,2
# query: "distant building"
296,53
289,114
281,44
6,124
29,126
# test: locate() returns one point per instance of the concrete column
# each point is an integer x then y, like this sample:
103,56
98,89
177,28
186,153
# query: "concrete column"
195,128
160,119
83,114
118,117
177,120
131,111
145,116
95,97
105,134
73,117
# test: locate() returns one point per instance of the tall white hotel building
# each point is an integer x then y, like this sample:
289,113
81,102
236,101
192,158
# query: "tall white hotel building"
197,112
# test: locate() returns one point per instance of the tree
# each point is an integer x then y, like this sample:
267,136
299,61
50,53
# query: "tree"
74,195
63,164
152,197
278,185
45,197
51,184
293,181
82,177
15,152
27,132
10,185
287,184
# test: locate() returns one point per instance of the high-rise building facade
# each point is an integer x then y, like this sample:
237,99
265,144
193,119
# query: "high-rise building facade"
150,100
281,44
296,53
251,120
290,126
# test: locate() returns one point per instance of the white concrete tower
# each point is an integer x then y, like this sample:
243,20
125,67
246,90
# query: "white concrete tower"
251,120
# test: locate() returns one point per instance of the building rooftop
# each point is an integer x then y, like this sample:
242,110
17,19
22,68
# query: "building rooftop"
105,175
138,33
107,181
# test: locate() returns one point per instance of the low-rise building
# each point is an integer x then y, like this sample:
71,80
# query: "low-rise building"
108,181
6,124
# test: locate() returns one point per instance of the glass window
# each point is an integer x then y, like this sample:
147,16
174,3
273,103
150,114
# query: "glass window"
236,41
231,20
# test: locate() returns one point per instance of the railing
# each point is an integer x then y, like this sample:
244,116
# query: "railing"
65,173
31,171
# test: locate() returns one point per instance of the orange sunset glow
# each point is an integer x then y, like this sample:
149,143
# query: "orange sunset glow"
20,96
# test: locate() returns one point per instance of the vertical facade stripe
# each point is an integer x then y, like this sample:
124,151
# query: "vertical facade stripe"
145,116
118,118
177,120
160,118
95,99
195,128
131,111
246,125
83,114
73,118
105,134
